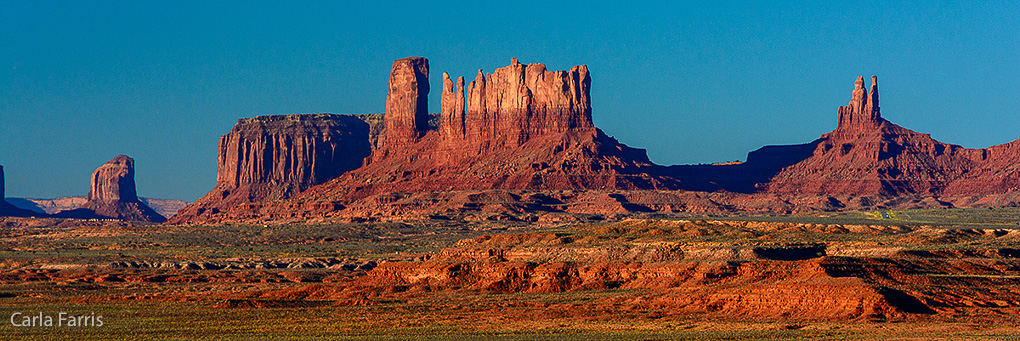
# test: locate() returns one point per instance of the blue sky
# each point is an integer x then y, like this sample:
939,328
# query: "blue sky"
691,82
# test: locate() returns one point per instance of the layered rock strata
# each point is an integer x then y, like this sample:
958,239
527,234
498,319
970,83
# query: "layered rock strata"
276,156
165,207
997,171
767,281
869,158
112,194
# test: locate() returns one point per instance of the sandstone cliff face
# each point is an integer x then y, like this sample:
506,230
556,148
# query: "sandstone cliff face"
112,194
301,150
276,156
997,171
114,181
452,116
407,104
517,102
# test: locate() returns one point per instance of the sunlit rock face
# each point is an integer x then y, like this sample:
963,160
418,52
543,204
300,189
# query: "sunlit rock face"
112,194
274,157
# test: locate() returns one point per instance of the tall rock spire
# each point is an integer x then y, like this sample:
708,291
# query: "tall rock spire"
872,106
862,113
407,103
477,124
451,124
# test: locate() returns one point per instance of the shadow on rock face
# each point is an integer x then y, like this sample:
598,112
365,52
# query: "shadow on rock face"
904,302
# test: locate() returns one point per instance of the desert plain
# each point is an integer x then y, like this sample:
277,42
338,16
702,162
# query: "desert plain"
898,274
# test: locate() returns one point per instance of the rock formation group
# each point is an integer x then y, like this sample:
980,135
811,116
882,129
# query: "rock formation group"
111,195
520,143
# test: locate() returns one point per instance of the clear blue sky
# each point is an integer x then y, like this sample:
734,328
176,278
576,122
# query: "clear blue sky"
691,82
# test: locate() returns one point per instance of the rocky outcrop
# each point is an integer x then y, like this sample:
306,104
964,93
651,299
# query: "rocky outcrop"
522,128
521,140
996,171
862,114
519,128
112,195
114,181
165,207
777,281
452,115
515,103
276,156
298,150
407,104
8,210
868,155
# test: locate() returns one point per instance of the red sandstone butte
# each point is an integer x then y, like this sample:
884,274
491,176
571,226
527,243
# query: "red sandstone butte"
276,156
112,194
523,128
407,105
868,155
